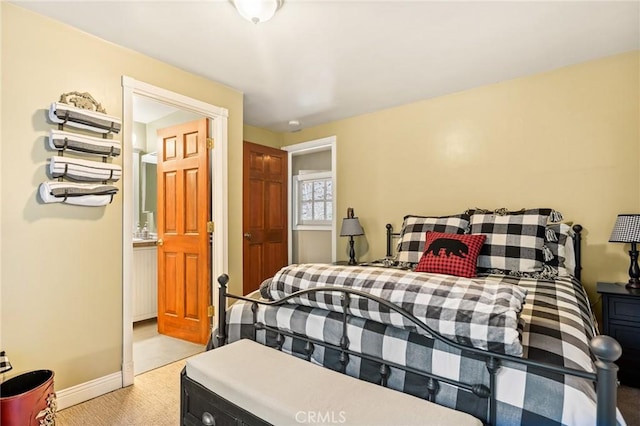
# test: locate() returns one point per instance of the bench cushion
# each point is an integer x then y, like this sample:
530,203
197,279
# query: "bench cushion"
283,389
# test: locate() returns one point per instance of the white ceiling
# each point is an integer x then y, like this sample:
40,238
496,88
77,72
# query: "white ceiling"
319,60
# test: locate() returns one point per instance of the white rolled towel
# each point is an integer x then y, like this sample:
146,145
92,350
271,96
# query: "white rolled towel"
84,170
80,118
79,194
59,139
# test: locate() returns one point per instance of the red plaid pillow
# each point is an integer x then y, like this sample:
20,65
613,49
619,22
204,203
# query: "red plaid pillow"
451,254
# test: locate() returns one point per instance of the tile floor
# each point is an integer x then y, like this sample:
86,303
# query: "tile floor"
152,350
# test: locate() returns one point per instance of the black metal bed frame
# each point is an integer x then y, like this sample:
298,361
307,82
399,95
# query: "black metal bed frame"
605,349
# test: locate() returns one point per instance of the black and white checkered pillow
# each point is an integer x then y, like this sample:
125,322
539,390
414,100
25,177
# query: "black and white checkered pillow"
414,230
515,240
562,248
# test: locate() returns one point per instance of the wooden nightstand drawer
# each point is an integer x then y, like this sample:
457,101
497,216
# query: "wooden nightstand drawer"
629,373
624,308
628,337
621,320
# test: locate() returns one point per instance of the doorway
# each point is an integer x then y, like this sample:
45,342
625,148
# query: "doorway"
312,201
181,106
161,334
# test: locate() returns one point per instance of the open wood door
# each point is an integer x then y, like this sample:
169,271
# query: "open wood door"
184,206
264,218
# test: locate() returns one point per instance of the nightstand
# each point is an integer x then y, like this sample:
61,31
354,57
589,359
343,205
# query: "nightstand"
621,320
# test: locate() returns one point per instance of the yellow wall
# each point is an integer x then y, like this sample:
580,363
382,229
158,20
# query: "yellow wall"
566,139
262,136
61,265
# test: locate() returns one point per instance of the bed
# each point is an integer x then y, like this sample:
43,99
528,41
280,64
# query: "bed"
508,336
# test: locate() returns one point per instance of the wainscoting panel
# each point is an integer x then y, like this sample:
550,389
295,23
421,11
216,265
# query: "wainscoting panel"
145,283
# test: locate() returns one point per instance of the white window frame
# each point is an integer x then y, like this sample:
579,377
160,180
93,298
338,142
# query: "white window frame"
328,224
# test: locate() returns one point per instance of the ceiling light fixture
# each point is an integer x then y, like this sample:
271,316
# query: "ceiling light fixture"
257,11
294,125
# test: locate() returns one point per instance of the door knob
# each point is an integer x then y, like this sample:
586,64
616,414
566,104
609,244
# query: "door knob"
247,235
159,242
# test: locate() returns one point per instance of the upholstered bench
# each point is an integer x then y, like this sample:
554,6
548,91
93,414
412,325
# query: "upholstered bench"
246,383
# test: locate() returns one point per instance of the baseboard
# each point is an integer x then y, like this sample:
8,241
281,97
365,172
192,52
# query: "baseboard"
88,390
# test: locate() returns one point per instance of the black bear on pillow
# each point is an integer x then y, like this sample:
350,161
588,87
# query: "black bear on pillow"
451,254
450,246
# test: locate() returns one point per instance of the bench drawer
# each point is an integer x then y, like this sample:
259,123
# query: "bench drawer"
196,400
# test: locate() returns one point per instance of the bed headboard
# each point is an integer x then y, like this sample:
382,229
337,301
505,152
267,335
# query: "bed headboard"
577,243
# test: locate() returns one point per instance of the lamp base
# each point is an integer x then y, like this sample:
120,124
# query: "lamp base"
352,252
633,283
634,269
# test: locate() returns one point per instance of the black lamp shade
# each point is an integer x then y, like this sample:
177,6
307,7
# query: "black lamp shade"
627,230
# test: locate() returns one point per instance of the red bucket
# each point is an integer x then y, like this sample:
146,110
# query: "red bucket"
28,399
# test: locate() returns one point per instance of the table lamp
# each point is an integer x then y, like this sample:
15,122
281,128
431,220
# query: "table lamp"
627,230
350,228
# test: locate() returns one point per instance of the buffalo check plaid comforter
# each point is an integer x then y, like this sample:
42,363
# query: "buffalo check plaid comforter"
557,325
475,313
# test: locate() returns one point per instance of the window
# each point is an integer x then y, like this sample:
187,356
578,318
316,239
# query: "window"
313,200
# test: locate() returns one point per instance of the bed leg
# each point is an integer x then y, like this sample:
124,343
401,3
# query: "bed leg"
607,350
222,310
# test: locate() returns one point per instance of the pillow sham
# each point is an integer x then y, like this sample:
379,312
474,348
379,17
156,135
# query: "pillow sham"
562,247
413,233
451,254
547,273
554,216
515,240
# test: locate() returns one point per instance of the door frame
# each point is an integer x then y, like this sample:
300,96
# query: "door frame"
219,197
316,145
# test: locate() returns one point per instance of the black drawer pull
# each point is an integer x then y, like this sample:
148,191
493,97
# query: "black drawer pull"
208,419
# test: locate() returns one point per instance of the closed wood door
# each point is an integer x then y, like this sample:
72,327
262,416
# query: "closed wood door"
264,201
183,213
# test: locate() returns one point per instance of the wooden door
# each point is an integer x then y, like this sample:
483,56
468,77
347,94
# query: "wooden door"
264,216
183,212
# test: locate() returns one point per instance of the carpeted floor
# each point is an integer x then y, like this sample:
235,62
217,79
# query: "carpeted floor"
154,399
629,404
